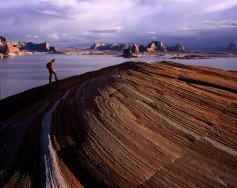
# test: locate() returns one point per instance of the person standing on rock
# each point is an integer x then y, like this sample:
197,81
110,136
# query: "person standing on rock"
51,67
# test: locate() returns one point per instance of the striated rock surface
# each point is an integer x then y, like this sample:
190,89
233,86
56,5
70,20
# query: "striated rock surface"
130,125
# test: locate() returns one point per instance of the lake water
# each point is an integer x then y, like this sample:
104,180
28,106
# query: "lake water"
20,73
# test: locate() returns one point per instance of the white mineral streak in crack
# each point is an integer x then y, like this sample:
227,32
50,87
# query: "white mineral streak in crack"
51,176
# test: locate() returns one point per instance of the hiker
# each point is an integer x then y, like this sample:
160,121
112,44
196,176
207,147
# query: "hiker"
51,67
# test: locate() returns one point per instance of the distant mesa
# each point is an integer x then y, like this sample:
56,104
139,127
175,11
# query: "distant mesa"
177,48
142,48
8,48
42,47
154,46
108,46
134,48
231,47
2,40
127,53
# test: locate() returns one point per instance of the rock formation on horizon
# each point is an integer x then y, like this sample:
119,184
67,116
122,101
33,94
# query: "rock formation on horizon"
130,125
134,48
41,47
156,46
142,48
231,47
8,48
127,53
115,47
177,48
108,46
2,40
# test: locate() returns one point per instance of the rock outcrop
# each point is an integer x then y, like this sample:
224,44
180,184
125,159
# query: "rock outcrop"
231,47
134,48
15,47
115,47
9,48
41,47
134,124
127,53
108,46
2,40
156,46
151,47
177,48
142,48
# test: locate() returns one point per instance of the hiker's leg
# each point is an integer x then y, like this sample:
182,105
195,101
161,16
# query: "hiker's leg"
55,75
50,76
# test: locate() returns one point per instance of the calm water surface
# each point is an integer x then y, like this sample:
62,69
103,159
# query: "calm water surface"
20,73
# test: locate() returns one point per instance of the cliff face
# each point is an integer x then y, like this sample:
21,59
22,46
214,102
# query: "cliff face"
156,46
134,124
10,48
15,47
108,46
41,47
115,46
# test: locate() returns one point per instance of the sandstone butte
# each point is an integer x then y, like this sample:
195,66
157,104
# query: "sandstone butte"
130,125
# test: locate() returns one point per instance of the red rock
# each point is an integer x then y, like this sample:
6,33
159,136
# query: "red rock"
134,124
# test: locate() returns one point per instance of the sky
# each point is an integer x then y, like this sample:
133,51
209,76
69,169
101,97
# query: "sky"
199,24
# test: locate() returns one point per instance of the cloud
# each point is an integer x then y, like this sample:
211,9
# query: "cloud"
112,30
52,14
53,36
221,24
32,36
220,6
152,32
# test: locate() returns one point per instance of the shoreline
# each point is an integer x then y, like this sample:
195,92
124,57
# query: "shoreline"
166,55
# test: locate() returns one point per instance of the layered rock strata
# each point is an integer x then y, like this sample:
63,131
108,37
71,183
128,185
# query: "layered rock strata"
131,125
8,48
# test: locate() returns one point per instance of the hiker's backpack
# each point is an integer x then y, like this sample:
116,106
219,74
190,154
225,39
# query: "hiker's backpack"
48,65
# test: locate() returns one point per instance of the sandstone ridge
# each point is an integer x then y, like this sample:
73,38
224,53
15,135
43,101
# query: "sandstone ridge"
130,125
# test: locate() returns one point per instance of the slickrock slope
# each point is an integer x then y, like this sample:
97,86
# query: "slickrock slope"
130,125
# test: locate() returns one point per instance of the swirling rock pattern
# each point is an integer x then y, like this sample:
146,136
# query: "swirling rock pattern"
131,125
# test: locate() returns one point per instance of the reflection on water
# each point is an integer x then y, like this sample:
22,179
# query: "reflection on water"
24,72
